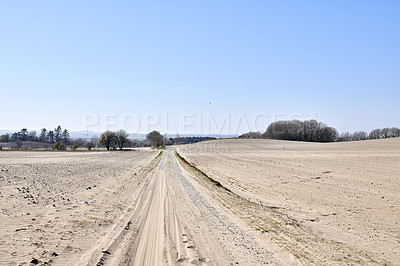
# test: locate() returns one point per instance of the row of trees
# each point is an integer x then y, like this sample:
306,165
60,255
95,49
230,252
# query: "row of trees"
119,139
59,139
347,136
301,131
113,139
283,130
156,139
318,132
383,133
52,136
188,140
251,135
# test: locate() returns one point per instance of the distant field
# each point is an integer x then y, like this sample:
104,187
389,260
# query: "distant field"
26,145
345,193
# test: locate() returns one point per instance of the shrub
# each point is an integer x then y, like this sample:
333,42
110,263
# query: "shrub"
250,135
18,144
89,145
76,145
58,146
107,139
121,137
155,138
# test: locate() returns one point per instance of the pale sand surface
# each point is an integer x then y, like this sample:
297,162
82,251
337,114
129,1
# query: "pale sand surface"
276,203
178,221
54,206
120,208
344,197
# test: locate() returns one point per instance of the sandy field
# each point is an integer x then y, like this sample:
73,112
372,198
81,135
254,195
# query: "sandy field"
333,203
54,206
147,207
224,202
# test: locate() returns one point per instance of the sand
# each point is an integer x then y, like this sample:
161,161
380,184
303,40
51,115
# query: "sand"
175,220
343,198
119,208
224,202
56,205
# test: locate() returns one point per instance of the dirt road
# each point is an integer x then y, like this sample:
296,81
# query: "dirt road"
176,221
120,208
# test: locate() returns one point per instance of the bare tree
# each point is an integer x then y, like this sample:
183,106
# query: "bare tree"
89,145
395,132
121,137
360,135
18,144
386,133
166,140
345,136
327,134
107,139
59,146
155,138
375,134
95,140
76,144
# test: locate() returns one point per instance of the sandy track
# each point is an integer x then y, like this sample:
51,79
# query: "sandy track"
325,203
176,221
149,250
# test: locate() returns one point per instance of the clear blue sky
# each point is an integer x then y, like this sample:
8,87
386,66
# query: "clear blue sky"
73,62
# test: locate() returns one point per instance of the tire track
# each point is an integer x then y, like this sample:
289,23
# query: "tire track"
173,223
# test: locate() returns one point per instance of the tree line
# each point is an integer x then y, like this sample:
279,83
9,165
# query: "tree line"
296,130
188,140
155,139
315,131
114,139
378,133
310,130
45,136
59,139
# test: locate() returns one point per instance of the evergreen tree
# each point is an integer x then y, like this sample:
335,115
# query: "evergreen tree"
43,135
50,136
65,138
58,133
